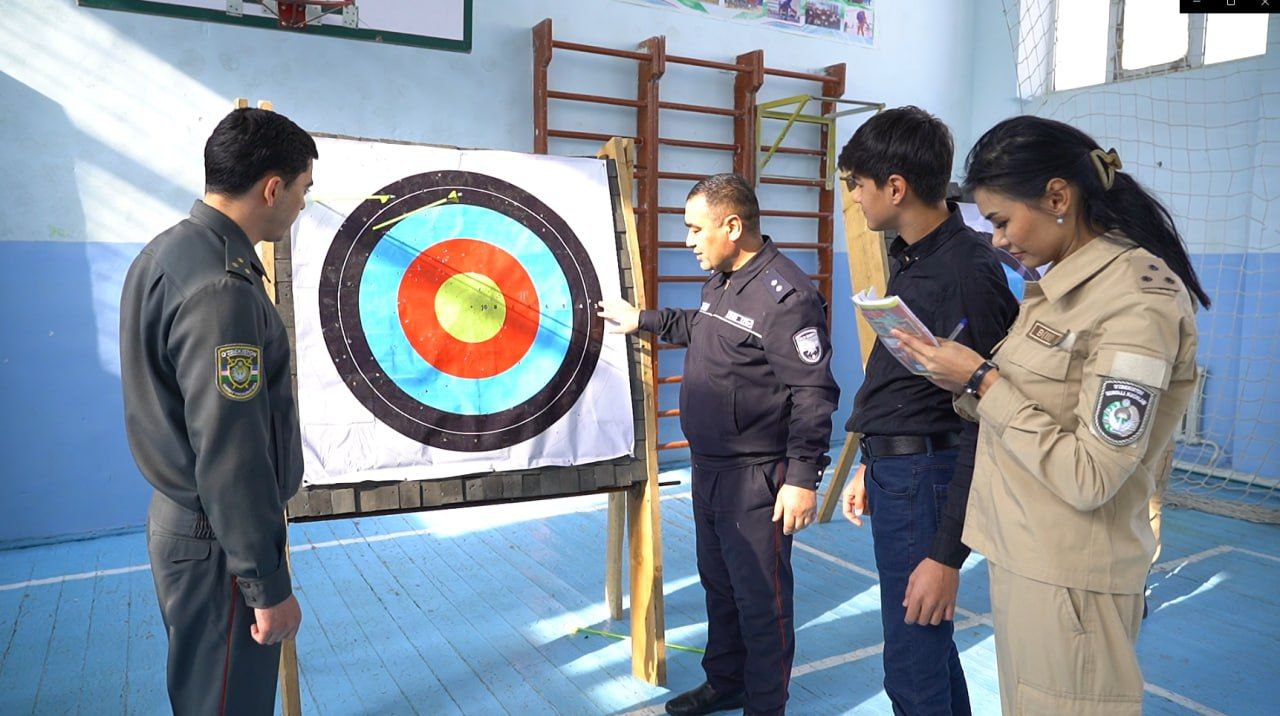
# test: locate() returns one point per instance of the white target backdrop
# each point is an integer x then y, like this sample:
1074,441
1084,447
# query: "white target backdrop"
444,304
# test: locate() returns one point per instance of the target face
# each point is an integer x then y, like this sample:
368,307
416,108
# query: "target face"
460,312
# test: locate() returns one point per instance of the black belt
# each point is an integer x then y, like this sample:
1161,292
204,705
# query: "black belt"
897,445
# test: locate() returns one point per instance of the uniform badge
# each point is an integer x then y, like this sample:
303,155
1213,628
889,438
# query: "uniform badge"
239,370
1044,335
1122,412
808,346
741,320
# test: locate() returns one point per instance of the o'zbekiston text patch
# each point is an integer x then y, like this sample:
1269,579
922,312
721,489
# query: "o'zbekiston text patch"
239,374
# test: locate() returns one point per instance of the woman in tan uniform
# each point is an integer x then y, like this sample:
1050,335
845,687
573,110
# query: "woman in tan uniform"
1077,410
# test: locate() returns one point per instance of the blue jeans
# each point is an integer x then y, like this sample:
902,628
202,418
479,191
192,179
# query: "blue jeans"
905,495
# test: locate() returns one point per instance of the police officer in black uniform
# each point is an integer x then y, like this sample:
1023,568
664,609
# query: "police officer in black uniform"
755,404
211,419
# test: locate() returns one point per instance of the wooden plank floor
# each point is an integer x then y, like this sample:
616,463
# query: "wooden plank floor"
474,611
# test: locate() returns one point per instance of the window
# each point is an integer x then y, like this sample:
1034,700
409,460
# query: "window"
1097,41
1152,34
1234,37
1081,53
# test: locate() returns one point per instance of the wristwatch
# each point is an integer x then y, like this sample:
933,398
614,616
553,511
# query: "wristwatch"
975,381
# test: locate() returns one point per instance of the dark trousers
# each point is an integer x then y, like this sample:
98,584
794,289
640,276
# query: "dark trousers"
906,494
744,561
215,666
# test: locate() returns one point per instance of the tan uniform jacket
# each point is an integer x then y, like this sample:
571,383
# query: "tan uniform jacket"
1094,376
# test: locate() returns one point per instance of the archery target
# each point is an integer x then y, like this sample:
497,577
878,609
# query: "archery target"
455,328
462,310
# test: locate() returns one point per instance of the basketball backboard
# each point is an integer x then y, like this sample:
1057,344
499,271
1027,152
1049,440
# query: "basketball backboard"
439,24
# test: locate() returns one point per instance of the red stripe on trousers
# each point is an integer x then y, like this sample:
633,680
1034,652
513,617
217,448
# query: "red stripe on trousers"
777,593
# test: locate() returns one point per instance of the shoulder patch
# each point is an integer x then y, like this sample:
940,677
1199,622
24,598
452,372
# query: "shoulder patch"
239,370
777,286
1154,275
808,345
1123,411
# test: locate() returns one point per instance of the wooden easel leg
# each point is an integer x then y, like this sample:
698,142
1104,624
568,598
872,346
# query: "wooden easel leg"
648,629
868,266
644,514
613,554
843,464
290,693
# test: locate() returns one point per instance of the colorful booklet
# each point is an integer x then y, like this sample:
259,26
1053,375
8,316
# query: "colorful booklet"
884,315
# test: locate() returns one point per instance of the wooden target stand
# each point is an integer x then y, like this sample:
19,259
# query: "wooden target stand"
868,266
634,510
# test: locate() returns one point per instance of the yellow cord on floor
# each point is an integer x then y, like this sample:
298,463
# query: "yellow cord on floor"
611,635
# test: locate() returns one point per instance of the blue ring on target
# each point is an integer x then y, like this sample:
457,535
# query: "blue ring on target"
365,264
379,315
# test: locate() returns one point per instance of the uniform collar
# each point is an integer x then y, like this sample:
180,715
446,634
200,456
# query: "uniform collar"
932,241
753,267
1084,264
241,257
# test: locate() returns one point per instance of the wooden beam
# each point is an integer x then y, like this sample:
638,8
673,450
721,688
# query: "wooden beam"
542,47
832,87
267,254
868,262
290,687
613,554
644,509
290,691
868,266
746,84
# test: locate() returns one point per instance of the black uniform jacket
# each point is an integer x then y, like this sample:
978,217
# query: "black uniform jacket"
757,380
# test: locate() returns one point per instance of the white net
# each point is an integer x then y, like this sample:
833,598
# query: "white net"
1192,105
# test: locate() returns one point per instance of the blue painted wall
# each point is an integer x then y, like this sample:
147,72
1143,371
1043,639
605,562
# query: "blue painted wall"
103,116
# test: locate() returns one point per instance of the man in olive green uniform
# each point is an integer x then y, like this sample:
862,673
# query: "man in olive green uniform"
211,419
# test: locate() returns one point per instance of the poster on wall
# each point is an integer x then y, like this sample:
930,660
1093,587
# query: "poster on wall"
444,303
851,21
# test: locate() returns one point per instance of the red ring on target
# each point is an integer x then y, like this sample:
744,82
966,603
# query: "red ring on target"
417,308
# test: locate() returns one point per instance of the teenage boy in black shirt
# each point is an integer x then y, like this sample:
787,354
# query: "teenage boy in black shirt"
917,454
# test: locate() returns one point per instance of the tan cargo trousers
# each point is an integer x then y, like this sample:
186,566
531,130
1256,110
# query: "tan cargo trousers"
1063,651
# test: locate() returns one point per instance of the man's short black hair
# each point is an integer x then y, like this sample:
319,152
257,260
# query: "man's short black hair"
730,194
249,144
906,141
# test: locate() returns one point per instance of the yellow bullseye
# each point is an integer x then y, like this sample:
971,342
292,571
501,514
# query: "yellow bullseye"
470,307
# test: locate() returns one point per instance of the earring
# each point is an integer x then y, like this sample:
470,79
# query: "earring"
1060,219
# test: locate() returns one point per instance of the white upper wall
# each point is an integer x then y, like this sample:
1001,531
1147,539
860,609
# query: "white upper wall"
123,102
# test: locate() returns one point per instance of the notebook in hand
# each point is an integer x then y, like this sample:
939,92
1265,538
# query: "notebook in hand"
884,315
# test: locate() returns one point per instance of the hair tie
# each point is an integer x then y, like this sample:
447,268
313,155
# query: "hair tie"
1107,164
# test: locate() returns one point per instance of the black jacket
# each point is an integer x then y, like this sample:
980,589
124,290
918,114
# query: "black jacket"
757,382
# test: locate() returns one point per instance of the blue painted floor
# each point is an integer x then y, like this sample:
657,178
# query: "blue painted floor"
474,611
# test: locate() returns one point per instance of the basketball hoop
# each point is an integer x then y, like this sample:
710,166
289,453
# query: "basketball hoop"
297,14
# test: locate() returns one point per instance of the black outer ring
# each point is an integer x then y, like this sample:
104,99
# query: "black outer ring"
343,334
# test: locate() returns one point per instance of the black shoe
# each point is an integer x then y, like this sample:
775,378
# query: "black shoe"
703,700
